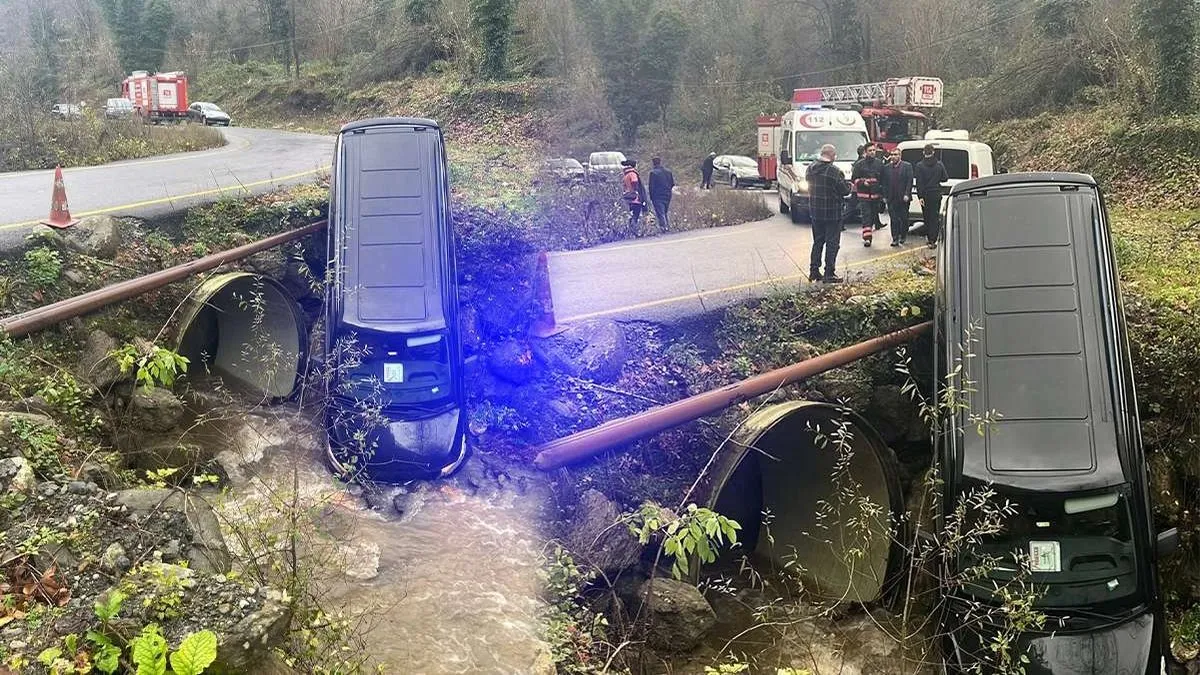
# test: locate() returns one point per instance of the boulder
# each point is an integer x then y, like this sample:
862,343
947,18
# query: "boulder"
207,552
11,444
97,236
96,366
677,614
246,645
253,438
155,409
115,560
512,361
595,350
16,475
271,263
598,541
161,453
468,326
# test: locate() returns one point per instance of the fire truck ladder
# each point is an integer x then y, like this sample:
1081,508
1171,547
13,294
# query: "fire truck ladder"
855,93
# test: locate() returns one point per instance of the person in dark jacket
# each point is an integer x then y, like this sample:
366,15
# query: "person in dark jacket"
865,179
897,180
706,171
827,189
661,184
634,193
930,173
851,211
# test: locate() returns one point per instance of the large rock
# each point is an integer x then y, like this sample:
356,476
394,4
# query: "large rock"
96,366
594,350
97,236
252,439
248,644
207,552
11,443
155,409
513,361
16,475
597,540
678,615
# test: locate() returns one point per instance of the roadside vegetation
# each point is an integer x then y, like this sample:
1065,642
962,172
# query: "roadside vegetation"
38,142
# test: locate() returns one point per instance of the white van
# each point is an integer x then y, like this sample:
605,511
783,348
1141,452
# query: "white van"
964,159
801,135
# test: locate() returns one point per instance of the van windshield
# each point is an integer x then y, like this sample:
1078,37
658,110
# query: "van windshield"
1078,549
607,158
399,371
808,144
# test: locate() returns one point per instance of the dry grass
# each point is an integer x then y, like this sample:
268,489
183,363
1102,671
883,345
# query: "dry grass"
93,140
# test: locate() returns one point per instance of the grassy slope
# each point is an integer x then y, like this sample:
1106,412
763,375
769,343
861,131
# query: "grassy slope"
90,141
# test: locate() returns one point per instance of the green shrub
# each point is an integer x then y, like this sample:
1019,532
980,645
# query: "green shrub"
43,266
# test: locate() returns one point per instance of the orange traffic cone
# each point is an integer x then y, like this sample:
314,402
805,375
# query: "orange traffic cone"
60,214
543,323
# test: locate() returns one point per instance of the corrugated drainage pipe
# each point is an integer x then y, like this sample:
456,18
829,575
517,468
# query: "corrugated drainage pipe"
815,489
248,330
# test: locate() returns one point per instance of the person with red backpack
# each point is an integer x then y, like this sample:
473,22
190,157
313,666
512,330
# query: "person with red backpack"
633,192
867,190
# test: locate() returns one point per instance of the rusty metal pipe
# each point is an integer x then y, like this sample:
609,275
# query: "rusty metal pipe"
584,444
49,315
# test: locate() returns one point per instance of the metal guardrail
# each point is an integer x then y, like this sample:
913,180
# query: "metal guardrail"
49,315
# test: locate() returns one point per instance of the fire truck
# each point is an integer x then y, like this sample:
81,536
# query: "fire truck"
895,110
157,97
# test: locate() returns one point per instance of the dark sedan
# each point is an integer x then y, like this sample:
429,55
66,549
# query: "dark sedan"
563,170
737,171
208,114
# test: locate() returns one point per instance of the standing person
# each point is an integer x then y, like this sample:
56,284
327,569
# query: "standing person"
930,173
865,177
851,208
706,171
827,188
661,184
897,182
634,193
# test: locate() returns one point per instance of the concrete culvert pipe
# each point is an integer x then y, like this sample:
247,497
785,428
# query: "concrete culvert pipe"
816,491
248,330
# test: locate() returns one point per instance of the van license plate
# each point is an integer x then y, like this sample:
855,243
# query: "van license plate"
393,373
1045,556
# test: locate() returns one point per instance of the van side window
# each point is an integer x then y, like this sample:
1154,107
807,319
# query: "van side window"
786,144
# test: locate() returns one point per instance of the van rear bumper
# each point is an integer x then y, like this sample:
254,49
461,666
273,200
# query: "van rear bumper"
396,450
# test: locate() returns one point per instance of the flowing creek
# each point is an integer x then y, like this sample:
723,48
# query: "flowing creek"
450,584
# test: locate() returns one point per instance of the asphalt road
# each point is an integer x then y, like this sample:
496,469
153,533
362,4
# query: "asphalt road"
678,275
253,161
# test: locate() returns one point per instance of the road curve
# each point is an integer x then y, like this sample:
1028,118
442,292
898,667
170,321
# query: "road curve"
675,276
254,161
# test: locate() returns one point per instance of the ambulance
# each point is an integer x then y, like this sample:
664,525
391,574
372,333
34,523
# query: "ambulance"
797,144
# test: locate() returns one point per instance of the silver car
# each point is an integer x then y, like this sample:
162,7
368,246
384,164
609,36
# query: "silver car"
738,171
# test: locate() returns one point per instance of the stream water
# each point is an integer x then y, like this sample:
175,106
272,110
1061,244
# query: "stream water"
448,583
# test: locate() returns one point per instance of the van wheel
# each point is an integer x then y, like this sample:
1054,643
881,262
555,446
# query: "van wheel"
783,206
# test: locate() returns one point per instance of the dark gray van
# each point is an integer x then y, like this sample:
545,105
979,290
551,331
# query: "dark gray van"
1027,271
394,410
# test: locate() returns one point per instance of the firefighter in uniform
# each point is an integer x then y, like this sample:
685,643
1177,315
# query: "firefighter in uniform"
868,192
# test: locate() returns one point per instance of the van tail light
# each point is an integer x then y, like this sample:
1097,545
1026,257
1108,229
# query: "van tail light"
974,171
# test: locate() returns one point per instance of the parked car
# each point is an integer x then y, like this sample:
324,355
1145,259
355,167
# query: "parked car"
1029,315
563,170
208,114
66,111
118,108
964,159
738,171
605,165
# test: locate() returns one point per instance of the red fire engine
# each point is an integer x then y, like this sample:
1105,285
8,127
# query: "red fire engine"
157,96
894,109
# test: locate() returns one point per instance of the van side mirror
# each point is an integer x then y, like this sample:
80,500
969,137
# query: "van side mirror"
1168,542
785,157
1002,169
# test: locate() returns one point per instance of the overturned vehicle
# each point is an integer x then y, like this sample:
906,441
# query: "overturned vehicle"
394,405
1060,573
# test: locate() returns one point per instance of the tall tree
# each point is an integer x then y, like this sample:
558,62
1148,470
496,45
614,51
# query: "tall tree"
1169,26
157,19
44,31
140,29
493,21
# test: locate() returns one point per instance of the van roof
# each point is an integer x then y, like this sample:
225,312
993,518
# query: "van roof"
1025,267
393,224
943,144
1018,178
384,121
